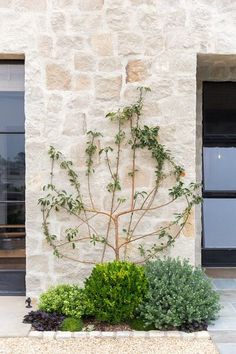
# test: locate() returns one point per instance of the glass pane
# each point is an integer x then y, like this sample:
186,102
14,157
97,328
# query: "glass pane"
12,76
12,213
219,108
12,167
219,168
219,223
12,116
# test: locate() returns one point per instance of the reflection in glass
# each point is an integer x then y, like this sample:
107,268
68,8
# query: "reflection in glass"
12,213
219,223
12,111
219,168
12,167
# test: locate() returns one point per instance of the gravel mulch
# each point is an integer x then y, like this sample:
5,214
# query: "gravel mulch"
106,346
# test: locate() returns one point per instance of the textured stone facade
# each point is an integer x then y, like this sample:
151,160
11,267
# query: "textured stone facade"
86,57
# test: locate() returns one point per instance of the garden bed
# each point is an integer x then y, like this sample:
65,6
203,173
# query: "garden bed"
121,297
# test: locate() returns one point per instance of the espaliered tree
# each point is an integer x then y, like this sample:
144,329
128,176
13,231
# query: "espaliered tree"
124,215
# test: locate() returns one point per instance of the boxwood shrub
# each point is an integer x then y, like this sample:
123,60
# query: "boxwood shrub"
69,300
178,294
115,290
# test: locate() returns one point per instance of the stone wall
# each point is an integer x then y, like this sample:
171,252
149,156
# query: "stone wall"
86,57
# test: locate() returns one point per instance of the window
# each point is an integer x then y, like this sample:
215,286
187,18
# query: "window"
219,173
12,150
12,177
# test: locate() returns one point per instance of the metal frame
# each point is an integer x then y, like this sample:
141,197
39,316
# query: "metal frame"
17,274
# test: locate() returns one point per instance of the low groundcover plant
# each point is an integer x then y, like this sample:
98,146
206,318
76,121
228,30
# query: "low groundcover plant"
43,321
72,324
68,300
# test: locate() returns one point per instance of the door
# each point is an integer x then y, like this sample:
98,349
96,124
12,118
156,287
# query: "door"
219,174
12,178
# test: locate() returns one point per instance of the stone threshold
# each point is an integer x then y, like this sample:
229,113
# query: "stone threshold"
119,334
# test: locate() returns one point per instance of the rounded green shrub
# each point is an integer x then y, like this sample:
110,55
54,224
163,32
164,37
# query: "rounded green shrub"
69,300
71,324
115,290
178,294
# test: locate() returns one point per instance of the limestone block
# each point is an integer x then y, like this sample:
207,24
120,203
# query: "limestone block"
136,70
184,248
149,21
175,20
84,62
152,112
140,2
90,5
187,86
58,21
83,82
85,23
62,3
78,101
55,102
5,3
57,77
52,127
38,263
45,46
102,44
167,133
143,177
110,64
189,228
70,43
34,99
33,283
31,5
176,39
34,244
130,43
160,89
74,124
118,18
154,45
108,88
34,127
114,3
225,41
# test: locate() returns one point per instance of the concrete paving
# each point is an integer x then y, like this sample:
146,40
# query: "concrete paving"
223,331
12,311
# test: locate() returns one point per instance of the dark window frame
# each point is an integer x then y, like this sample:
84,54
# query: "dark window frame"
216,257
12,280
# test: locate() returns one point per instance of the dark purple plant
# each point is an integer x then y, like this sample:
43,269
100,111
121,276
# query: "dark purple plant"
43,321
